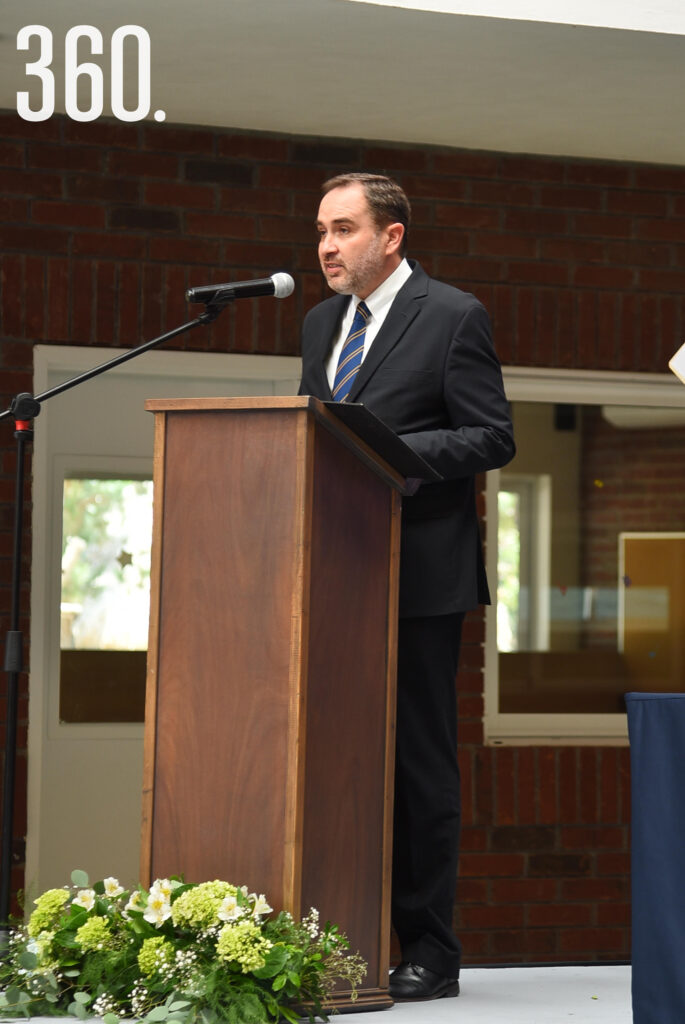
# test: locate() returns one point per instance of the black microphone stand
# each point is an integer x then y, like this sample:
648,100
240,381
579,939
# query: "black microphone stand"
24,408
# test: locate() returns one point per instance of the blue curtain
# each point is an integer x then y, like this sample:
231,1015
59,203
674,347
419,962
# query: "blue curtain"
656,726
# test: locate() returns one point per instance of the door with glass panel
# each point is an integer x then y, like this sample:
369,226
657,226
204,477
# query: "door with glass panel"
90,592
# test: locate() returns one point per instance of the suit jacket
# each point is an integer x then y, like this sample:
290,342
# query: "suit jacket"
432,375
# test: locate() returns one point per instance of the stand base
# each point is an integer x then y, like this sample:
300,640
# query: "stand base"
367,999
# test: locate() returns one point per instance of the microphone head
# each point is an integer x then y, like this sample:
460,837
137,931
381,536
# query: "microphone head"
283,285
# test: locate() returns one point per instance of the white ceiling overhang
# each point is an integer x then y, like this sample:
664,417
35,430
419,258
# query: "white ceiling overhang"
381,71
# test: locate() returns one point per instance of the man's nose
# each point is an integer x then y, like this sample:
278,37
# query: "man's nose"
327,243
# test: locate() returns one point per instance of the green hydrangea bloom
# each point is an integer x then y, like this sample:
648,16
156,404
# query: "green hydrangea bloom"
42,948
244,944
197,908
154,954
94,934
48,909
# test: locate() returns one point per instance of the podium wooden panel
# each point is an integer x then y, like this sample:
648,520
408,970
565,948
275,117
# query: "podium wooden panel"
269,737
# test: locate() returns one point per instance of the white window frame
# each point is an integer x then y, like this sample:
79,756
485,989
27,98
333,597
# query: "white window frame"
662,391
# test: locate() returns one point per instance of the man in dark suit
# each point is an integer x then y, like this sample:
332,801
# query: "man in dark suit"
418,354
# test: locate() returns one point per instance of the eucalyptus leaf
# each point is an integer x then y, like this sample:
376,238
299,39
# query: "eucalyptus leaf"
82,997
13,995
110,1018
28,960
80,878
159,1013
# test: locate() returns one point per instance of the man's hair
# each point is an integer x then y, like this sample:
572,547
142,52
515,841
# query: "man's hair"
388,203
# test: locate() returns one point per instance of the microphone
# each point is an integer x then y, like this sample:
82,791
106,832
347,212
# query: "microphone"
280,285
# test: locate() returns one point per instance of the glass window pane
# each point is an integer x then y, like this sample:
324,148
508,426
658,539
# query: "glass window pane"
508,571
105,598
605,615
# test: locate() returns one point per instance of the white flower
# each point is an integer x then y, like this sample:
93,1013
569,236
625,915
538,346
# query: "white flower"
85,899
311,922
163,886
229,910
158,915
261,906
135,901
112,888
104,1004
158,908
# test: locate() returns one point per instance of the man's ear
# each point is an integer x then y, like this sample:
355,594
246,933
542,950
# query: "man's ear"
395,236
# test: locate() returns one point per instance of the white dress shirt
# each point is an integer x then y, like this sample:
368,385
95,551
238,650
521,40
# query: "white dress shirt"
378,303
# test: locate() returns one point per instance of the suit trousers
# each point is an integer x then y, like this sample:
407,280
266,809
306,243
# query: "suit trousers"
427,792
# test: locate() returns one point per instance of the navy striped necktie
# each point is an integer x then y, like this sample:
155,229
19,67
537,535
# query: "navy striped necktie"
351,356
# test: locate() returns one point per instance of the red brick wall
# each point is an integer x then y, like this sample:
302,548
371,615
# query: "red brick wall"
632,480
545,865
582,264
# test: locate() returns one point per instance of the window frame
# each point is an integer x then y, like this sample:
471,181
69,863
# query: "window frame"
585,387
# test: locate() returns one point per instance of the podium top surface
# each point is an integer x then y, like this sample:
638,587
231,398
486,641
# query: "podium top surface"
243,402
349,421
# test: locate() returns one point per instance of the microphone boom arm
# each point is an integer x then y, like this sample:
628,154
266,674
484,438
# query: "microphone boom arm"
24,408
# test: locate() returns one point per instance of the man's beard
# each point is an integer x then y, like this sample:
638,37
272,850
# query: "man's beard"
364,271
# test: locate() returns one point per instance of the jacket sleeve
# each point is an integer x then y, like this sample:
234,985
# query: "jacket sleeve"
479,435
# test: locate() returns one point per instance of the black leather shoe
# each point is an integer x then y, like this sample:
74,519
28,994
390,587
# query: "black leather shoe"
413,982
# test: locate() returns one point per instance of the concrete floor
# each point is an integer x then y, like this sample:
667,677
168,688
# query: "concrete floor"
513,995
521,995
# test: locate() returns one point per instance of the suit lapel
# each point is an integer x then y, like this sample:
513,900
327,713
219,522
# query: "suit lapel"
332,313
404,309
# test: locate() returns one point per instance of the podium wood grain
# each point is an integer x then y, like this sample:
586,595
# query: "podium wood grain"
269,738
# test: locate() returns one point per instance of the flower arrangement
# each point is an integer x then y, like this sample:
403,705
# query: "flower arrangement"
176,953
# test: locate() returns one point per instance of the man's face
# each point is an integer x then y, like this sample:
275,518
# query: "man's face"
355,254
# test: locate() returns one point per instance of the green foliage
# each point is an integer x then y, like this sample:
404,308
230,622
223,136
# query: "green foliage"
220,957
88,508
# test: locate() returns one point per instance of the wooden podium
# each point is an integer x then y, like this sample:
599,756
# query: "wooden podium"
269,736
